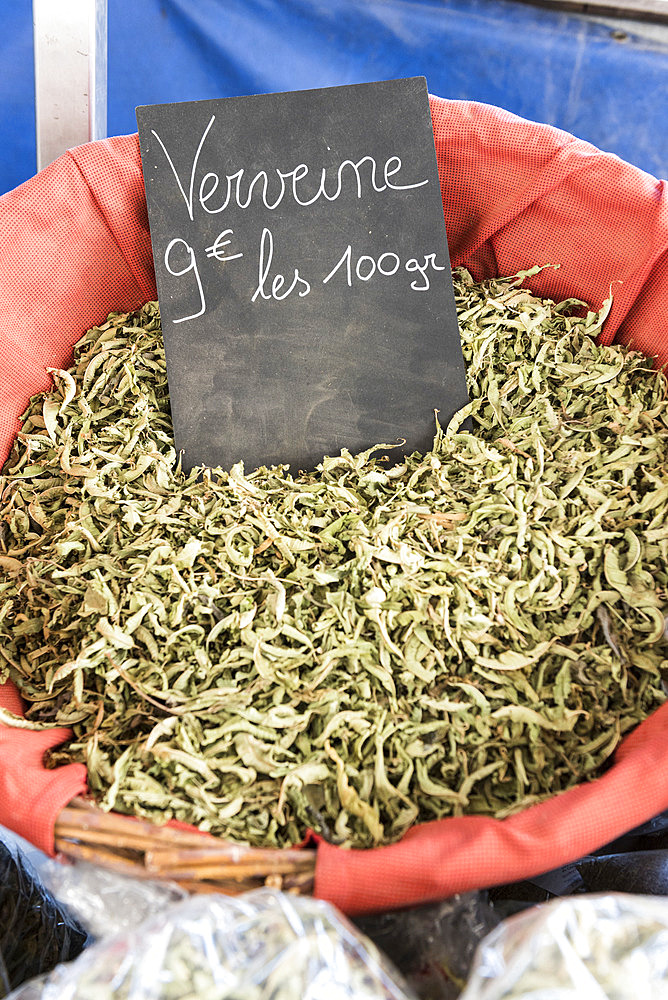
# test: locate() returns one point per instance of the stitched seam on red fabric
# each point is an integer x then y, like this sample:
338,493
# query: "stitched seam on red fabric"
103,214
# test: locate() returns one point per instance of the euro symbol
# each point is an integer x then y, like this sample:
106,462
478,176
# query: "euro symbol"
216,249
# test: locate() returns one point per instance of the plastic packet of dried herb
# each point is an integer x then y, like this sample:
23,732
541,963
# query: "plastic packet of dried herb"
359,648
610,946
259,945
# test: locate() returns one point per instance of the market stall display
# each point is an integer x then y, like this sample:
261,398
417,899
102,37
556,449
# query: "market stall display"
548,179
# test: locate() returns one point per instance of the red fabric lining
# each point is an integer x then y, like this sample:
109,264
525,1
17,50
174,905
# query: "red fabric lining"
30,796
600,219
74,245
438,859
117,185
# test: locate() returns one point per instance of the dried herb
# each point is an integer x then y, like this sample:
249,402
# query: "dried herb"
362,647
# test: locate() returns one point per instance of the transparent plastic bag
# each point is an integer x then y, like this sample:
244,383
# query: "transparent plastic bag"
103,901
264,944
36,932
599,947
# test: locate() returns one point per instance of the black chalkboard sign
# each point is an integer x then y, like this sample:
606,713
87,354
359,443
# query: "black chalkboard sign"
303,273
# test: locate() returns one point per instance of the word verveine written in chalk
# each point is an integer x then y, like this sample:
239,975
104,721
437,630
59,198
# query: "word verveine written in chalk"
261,182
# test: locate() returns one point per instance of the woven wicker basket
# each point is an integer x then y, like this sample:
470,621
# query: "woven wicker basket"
196,861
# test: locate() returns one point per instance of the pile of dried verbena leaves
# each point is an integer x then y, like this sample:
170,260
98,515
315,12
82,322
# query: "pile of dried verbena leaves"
362,647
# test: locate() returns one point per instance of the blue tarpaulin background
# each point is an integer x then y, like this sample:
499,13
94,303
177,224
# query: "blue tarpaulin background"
604,81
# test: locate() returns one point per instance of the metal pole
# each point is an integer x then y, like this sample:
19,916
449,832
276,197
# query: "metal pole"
70,38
